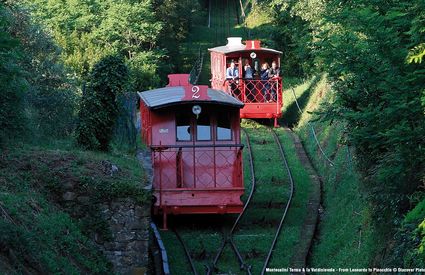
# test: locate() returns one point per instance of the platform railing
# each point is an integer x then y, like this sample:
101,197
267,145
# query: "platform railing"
196,167
255,91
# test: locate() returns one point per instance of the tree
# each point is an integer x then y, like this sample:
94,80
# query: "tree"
12,83
98,110
87,30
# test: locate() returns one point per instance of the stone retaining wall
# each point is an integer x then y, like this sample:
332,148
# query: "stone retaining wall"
129,225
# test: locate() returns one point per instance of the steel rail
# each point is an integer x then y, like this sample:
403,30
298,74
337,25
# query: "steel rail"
288,204
228,238
186,251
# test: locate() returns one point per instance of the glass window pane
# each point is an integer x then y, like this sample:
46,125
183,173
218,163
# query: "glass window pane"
183,128
203,128
224,131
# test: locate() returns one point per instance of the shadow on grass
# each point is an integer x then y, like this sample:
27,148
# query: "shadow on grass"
291,116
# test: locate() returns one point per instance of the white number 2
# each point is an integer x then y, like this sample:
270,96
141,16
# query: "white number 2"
195,91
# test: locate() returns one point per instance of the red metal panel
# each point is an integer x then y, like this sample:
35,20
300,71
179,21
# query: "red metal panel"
202,197
163,127
197,92
178,80
200,201
252,44
146,123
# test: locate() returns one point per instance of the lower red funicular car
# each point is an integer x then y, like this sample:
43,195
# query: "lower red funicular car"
194,136
262,96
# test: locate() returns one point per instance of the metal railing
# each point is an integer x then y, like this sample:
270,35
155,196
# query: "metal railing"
188,167
255,91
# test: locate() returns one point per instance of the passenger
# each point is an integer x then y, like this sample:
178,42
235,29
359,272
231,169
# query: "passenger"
232,76
249,84
249,72
274,74
232,72
264,74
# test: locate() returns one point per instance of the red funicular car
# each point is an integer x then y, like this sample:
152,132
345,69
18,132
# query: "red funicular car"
194,136
262,96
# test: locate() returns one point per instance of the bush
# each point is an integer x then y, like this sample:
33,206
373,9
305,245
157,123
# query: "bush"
99,110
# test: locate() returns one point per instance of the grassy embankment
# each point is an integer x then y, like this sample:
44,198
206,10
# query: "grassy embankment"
40,231
346,237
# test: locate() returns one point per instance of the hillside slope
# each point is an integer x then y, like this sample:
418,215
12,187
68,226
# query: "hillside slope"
49,208
346,236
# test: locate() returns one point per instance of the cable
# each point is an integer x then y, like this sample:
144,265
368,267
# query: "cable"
312,130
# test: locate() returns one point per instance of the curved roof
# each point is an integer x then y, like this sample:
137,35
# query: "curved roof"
168,96
242,48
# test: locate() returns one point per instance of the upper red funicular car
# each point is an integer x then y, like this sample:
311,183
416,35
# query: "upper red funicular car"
262,97
194,136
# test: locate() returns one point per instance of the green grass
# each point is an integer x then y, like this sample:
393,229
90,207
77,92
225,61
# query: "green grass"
44,232
346,235
288,240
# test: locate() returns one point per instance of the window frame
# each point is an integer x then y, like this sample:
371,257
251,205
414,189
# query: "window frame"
217,117
190,127
195,123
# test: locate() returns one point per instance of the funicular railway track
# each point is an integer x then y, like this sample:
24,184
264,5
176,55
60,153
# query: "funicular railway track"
224,15
230,232
223,21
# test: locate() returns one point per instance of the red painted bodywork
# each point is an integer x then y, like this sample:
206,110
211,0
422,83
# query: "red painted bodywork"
255,93
194,176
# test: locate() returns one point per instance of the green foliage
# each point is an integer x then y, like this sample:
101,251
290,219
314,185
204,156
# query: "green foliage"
146,74
410,239
88,30
52,94
145,32
416,54
128,26
177,17
12,82
380,96
98,110
294,22
363,46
